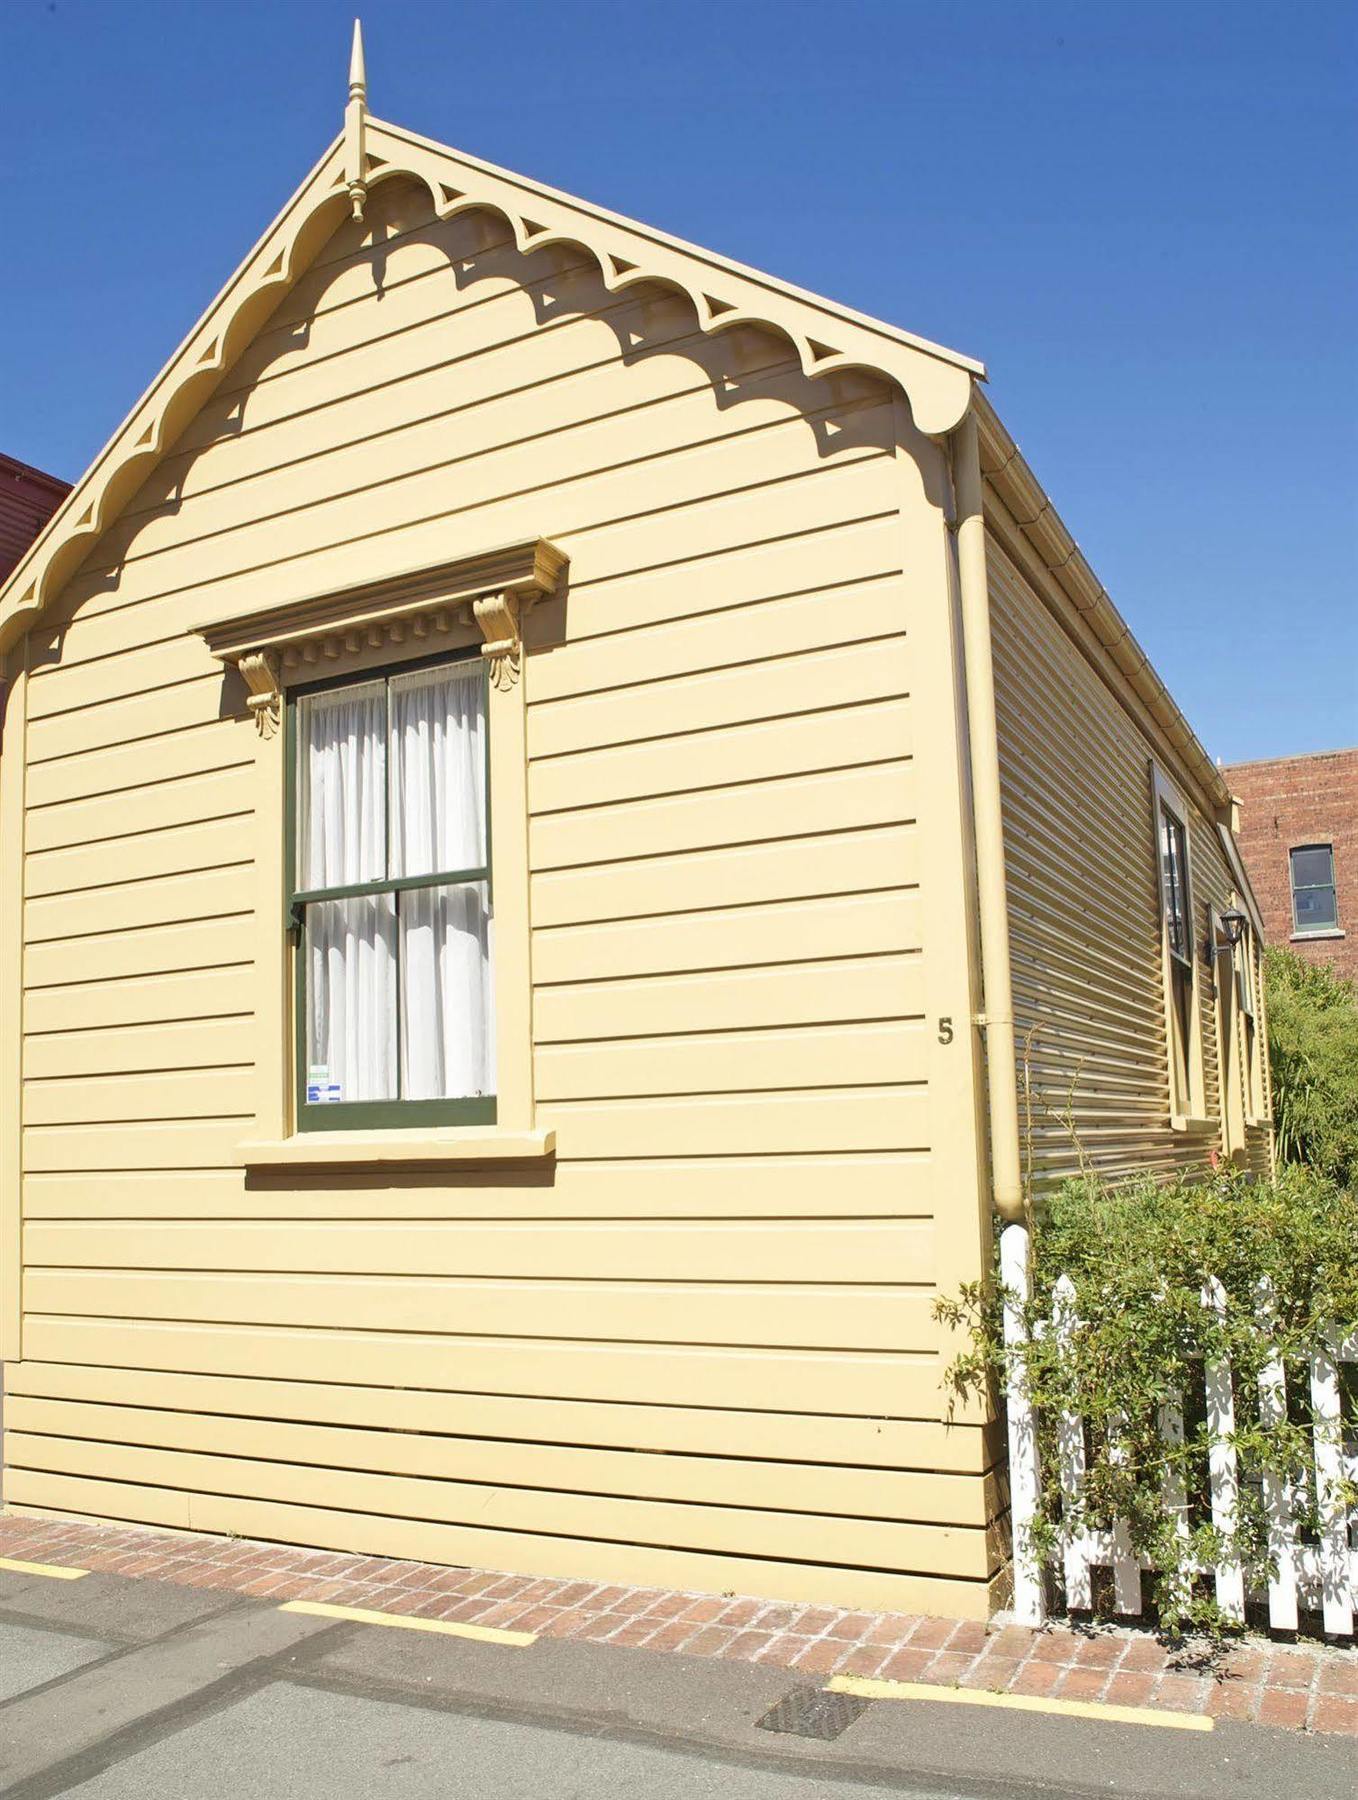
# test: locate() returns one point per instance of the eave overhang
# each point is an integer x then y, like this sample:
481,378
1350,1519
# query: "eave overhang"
1046,538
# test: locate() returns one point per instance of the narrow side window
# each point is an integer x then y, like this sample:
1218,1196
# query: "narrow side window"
1246,976
1182,1036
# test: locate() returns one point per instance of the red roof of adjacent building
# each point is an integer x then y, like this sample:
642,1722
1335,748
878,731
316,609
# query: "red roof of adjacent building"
28,498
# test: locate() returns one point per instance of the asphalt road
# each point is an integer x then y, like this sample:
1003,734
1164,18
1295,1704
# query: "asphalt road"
111,1688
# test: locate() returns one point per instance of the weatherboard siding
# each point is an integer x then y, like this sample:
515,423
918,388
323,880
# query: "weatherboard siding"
699,1349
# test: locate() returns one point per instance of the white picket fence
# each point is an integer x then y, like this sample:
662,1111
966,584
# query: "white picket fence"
1322,1575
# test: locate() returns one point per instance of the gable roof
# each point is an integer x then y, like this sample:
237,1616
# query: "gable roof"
939,384
826,338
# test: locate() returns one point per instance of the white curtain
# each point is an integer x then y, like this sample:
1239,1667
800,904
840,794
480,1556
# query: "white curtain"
350,944
438,770
343,834
447,1021
351,1000
438,821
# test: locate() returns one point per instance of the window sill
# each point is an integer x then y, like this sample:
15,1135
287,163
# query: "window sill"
398,1149
1309,937
1191,1123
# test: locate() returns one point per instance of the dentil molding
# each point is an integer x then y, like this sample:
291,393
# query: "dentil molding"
491,589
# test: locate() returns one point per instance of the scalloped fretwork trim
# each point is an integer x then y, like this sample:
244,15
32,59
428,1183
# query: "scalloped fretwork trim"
826,339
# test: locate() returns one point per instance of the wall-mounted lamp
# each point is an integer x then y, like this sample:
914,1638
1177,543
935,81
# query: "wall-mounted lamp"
1232,925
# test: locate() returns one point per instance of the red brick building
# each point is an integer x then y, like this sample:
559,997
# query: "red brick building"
28,498
1299,838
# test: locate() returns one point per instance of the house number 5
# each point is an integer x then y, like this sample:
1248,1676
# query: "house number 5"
945,1031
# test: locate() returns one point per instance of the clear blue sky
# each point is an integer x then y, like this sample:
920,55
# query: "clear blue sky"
1141,216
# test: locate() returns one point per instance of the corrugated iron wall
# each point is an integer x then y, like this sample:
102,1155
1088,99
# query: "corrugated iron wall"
28,498
1084,909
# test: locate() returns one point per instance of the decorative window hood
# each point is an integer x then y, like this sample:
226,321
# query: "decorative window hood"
492,589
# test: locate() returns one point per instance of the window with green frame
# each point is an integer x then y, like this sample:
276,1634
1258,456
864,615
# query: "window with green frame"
1243,957
1177,912
390,898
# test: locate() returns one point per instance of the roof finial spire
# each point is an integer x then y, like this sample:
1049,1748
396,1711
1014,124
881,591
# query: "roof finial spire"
358,74
355,120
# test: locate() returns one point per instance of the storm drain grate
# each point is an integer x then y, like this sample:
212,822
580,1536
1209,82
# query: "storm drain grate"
812,1712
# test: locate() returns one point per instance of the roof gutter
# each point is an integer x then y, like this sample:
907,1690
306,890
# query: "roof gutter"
997,1019
1027,502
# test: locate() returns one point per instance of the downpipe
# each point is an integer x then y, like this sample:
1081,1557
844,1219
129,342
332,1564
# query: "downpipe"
997,1019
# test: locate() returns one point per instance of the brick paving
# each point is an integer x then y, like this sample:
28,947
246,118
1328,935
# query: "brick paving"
1305,1686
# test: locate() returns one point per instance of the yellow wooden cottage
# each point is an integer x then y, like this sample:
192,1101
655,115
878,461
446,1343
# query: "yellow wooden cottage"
574,826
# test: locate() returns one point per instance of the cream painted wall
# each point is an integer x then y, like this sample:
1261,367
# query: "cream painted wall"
697,1348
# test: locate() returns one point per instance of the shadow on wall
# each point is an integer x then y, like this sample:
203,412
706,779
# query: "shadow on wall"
289,1184
475,254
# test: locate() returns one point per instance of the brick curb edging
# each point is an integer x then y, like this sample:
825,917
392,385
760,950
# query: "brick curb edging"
1307,1687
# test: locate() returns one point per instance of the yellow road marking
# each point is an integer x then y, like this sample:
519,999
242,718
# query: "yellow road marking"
483,1634
52,1570
1070,1709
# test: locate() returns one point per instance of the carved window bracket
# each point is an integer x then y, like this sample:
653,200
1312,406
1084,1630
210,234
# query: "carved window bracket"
498,617
259,671
419,608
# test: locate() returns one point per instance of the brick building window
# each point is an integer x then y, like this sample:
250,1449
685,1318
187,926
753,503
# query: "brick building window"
1314,906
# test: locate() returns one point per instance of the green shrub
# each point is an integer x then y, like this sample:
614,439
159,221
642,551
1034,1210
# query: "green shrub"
1313,1055
1139,1256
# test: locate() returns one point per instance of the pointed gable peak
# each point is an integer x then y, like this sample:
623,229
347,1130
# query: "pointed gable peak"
824,337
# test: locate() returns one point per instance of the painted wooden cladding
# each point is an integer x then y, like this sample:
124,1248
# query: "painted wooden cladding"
1084,916
699,1348
13,728
731,1477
